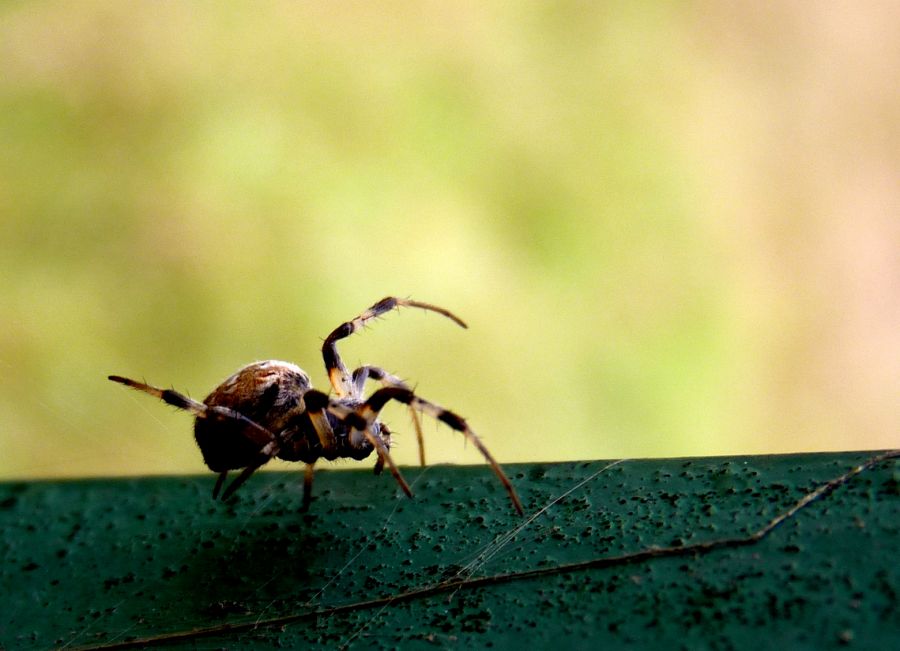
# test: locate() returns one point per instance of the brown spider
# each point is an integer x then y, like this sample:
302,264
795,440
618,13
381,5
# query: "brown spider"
269,409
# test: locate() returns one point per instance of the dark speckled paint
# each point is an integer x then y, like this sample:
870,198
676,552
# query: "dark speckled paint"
97,561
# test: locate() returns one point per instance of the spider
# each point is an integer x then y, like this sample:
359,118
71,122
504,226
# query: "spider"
269,409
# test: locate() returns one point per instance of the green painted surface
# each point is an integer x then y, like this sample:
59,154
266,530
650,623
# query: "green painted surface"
100,561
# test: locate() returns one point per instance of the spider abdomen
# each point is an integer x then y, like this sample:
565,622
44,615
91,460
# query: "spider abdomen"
269,393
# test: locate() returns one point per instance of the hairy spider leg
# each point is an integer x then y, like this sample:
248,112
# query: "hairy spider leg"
219,481
378,374
383,454
361,429
338,374
307,486
315,403
270,450
257,433
376,402
386,437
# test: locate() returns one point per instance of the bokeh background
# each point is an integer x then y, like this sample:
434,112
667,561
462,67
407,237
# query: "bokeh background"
673,227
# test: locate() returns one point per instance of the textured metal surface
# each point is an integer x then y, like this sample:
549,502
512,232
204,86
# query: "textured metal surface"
93,562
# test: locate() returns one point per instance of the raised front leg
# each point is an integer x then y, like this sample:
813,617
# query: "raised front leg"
338,374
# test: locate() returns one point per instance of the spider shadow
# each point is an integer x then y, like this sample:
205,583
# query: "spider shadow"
262,553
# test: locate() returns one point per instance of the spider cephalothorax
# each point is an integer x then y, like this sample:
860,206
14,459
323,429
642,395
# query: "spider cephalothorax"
269,409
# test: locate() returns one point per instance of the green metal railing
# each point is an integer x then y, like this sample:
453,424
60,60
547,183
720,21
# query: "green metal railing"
796,551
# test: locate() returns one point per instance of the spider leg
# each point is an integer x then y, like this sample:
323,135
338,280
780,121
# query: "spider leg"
221,480
376,402
307,487
255,432
268,451
315,404
385,457
361,429
364,373
166,395
239,481
386,437
338,374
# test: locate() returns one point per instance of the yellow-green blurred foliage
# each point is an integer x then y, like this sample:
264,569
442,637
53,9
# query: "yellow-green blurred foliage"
672,226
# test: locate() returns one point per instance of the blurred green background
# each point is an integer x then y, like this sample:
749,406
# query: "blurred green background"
673,227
